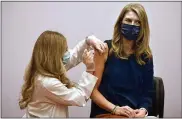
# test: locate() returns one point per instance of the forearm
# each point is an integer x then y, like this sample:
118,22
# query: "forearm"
76,54
148,91
77,95
101,101
145,102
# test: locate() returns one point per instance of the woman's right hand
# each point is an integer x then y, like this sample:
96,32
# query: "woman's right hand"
88,59
125,111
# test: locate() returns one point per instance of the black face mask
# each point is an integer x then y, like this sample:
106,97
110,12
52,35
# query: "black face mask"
130,32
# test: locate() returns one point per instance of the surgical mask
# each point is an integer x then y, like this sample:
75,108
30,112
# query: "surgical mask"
130,32
66,57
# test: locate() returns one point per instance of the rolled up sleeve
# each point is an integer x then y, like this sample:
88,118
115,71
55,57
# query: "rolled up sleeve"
75,96
76,54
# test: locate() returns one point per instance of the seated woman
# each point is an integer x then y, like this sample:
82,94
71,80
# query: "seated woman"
47,92
125,71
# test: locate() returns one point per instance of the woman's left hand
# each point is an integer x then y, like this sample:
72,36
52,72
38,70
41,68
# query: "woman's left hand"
96,43
140,113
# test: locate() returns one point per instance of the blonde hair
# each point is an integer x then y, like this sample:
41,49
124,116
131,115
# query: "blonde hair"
142,43
46,60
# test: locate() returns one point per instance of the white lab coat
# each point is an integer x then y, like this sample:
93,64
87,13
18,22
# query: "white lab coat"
51,98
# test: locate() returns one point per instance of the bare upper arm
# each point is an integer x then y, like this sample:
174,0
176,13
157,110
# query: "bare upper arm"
100,60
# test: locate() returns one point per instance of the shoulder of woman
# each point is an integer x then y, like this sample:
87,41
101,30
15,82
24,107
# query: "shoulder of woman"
103,56
106,53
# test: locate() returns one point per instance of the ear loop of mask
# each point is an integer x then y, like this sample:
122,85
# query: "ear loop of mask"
66,57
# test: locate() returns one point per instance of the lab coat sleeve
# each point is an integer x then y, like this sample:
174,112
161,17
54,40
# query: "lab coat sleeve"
76,54
75,96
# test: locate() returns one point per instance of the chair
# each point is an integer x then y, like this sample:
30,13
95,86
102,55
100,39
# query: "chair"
158,99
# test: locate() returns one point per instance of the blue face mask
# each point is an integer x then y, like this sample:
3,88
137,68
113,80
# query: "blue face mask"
66,57
130,32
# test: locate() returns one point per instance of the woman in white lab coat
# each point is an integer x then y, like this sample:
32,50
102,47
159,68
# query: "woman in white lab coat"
47,92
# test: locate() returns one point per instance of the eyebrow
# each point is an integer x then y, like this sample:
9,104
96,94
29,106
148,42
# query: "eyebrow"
131,19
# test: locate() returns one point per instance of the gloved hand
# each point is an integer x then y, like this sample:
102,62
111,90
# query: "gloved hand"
96,43
88,59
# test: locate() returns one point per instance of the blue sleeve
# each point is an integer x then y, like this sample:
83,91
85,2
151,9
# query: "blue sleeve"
148,86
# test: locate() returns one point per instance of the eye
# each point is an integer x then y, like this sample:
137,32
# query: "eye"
138,22
128,20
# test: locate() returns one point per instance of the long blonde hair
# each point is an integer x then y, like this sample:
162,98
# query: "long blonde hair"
46,60
142,44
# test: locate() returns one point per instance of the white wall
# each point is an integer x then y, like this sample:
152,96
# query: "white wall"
22,23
